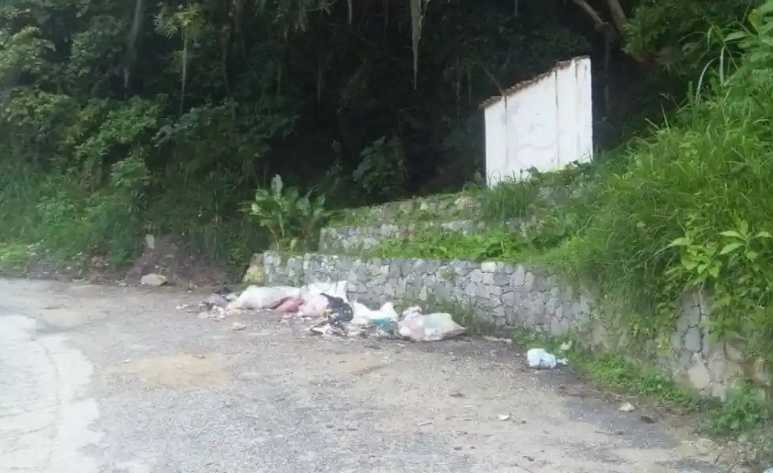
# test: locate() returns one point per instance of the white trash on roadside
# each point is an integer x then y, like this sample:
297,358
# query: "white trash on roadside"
256,297
540,359
314,303
383,317
429,327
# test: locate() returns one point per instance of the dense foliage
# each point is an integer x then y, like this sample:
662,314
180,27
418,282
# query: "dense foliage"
119,118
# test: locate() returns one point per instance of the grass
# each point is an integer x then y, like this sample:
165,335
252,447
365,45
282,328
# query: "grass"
444,245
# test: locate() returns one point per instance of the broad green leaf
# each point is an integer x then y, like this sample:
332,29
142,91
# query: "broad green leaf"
732,234
730,247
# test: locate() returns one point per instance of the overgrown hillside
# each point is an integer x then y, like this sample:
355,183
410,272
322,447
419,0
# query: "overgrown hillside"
121,118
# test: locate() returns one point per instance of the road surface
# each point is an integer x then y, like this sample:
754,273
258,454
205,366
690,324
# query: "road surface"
115,380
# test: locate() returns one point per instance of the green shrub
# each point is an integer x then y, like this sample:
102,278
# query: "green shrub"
294,220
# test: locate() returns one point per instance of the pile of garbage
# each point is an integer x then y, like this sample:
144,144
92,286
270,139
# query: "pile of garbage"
338,315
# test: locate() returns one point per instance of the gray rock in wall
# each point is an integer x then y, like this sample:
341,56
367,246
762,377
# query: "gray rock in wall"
353,239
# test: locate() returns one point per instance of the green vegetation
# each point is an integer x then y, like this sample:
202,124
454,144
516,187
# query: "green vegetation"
520,220
101,144
499,245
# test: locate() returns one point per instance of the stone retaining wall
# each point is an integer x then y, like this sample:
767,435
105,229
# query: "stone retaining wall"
350,240
445,207
527,297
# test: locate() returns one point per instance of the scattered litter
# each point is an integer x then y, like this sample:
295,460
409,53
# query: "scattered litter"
540,359
237,326
627,407
339,316
498,339
153,279
503,417
565,346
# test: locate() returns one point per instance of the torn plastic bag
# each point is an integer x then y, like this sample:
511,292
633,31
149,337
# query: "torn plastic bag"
429,327
289,305
314,305
256,297
541,359
386,316
411,312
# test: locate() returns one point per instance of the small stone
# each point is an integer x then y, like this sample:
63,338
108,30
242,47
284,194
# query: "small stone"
503,417
488,267
699,376
647,419
237,326
153,279
627,407
456,394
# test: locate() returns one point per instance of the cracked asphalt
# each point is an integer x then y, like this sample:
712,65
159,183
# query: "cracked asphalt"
115,380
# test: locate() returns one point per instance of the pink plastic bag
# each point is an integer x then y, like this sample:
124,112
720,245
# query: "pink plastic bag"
289,305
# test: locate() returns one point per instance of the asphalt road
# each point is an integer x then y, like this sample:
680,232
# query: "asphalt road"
98,380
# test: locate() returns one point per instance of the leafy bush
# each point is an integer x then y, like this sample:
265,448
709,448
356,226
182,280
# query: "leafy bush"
294,220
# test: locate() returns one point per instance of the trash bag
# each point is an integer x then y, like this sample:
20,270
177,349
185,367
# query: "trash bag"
434,327
365,317
289,305
314,305
256,297
540,359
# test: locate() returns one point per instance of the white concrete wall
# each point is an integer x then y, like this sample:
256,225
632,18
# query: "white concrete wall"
545,123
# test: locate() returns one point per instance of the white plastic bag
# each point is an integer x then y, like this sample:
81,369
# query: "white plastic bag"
256,297
411,312
364,316
314,305
540,359
429,327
